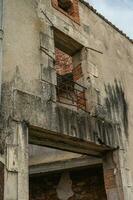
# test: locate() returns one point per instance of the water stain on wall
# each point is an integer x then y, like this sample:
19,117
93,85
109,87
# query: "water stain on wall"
116,104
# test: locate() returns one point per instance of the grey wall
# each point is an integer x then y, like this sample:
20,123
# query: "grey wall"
26,95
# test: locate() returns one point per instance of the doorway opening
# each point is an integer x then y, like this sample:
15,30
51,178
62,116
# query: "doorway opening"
62,175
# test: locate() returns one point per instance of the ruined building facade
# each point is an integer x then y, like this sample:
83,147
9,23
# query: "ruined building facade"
66,82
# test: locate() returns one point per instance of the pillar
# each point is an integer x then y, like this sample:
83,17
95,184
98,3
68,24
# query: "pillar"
112,177
16,171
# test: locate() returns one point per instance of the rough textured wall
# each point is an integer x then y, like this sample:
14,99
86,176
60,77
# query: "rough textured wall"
31,71
82,185
115,74
1,181
26,70
21,44
29,76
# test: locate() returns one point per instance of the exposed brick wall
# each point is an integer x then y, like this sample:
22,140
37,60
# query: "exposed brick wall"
81,101
86,185
73,12
1,181
64,65
77,72
109,179
63,62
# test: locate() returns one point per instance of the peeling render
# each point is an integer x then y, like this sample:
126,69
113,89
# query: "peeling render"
29,110
1,42
116,104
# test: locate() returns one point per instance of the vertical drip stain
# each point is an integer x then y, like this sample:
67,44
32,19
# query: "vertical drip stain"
116,104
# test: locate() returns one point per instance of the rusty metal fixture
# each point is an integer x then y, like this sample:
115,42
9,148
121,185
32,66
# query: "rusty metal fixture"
65,4
70,92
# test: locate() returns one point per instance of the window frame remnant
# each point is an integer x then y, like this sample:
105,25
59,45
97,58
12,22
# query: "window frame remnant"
72,12
70,85
69,90
66,5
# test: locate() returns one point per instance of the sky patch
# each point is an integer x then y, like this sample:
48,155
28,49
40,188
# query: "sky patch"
119,12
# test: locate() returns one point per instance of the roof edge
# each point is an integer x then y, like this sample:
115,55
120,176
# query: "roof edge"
106,20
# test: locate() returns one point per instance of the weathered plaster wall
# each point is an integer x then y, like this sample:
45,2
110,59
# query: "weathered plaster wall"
1,181
22,58
21,44
1,42
114,80
25,70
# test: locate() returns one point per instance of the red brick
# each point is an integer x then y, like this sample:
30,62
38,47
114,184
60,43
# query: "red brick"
81,102
77,72
109,179
63,62
73,12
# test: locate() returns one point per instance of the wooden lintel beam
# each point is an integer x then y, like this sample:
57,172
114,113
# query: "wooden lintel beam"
70,164
65,142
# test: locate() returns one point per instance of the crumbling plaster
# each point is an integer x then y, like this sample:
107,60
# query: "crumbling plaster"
25,94
25,66
115,63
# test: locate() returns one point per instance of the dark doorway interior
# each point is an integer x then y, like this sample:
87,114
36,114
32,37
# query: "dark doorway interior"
83,184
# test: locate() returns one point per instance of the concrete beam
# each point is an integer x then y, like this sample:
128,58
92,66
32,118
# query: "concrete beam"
66,43
64,142
82,161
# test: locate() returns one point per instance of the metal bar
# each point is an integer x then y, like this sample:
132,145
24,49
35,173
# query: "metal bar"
47,17
94,50
78,97
67,87
58,88
73,82
45,51
73,89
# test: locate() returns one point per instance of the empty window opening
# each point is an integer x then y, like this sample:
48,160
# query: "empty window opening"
69,8
66,5
68,60
69,91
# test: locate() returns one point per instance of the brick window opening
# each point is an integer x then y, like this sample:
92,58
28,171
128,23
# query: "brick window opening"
63,63
69,8
68,90
70,86
66,5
